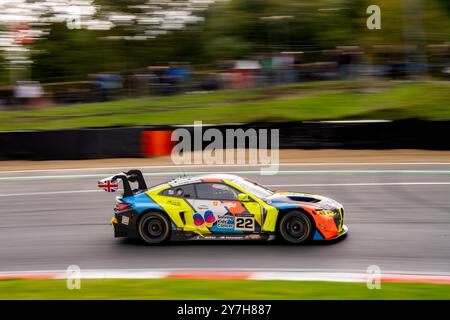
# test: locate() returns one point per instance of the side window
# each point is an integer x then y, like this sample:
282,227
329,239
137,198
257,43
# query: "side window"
215,191
186,191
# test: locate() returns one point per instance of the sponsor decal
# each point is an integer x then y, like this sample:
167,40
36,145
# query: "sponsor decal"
225,222
108,185
175,228
229,237
207,218
125,220
174,202
235,207
198,219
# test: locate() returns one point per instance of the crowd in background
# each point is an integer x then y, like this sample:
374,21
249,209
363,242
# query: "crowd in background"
254,71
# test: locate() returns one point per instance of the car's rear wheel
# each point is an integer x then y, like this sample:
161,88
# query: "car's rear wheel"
154,228
295,227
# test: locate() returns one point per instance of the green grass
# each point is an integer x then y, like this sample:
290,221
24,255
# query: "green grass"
316,100
215,289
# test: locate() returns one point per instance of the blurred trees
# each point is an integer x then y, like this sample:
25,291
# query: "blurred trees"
233,29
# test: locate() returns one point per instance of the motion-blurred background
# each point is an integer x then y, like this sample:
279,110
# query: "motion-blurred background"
96,79
58,52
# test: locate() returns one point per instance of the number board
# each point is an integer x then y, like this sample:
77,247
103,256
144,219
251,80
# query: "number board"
244,223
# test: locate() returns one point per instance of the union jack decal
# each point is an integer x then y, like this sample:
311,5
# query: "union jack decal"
108,185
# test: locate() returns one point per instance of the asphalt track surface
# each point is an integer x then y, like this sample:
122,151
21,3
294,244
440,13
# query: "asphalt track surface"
398,217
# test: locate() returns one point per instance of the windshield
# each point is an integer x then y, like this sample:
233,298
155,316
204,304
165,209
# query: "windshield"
253,188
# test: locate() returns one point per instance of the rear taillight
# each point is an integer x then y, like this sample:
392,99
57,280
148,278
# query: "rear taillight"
122,207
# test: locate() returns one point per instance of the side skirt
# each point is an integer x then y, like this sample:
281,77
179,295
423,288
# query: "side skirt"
182,236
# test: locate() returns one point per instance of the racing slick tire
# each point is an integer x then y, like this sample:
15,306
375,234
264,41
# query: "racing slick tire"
154,228
295,227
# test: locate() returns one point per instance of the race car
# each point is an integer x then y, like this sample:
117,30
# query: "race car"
219,207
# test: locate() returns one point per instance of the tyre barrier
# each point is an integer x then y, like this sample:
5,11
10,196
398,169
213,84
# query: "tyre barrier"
144,141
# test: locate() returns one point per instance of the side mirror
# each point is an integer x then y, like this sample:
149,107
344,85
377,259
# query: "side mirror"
243,197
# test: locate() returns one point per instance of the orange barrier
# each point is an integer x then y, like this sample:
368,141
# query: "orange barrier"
156,143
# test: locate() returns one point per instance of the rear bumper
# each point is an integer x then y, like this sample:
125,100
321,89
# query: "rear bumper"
118,231
124,224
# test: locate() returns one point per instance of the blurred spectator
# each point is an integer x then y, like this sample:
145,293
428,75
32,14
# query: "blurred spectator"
343,62
28,93
244,72
348,60
439,60
178,75
212,81
107,85
266,71
283,64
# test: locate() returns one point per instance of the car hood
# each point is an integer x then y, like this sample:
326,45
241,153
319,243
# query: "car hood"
280,199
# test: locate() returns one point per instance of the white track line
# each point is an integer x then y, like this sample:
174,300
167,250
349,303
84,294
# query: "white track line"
47,193
250,172
232,269
268,185
180,168
359,184
252,274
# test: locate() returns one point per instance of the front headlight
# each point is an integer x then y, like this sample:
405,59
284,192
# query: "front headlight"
325,213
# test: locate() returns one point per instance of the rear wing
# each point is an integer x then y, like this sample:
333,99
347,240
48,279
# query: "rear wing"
111,184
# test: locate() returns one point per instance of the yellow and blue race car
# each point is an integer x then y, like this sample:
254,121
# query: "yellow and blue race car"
219,207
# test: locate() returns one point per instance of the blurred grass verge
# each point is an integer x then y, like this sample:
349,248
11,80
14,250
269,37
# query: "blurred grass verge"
216,289
303,101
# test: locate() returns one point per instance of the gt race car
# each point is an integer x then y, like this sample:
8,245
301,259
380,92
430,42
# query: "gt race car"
219,207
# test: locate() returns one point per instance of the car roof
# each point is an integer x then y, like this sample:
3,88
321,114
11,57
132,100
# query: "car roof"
202,178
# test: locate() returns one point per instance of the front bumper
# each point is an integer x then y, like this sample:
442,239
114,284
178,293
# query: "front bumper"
343,232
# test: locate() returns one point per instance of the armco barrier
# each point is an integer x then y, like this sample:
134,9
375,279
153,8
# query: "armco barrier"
91,143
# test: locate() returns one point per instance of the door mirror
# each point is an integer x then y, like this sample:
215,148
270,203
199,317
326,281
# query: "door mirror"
243,197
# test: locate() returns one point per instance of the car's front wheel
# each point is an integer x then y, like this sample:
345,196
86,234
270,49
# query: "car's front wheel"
295,227
154,228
